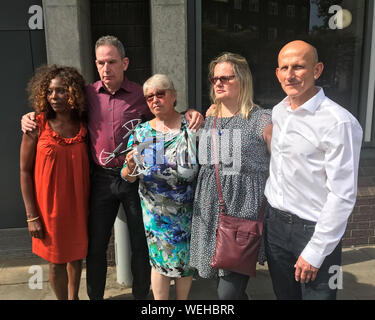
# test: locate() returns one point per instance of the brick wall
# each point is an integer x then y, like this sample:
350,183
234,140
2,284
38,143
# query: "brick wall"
361,224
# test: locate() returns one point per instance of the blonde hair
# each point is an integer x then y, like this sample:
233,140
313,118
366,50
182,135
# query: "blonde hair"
243,74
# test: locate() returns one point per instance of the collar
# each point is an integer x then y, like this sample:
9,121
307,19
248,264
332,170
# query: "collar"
126,86
310,105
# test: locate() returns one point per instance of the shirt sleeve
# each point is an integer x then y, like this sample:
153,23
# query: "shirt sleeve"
342,149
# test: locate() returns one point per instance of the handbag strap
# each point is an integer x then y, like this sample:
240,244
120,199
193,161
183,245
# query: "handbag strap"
218,183
216,162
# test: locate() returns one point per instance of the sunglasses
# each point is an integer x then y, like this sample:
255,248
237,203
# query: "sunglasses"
223,79
159,94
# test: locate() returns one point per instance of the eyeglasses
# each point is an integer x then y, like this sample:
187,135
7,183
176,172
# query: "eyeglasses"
223,79
159,94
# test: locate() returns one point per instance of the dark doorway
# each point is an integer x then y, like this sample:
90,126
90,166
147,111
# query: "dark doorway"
128,20
23,50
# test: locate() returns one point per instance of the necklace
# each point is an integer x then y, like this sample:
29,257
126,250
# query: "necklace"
162,127
222,126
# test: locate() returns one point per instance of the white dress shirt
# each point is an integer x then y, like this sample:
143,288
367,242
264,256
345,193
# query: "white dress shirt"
314,168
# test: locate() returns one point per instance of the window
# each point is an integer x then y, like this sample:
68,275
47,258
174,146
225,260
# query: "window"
273,8
254,5
263,34
226,20
290,11
238,4
237,27
272,33
290,34
215,17
254,32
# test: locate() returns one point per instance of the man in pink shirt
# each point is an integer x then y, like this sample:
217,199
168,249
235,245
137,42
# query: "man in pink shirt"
112,102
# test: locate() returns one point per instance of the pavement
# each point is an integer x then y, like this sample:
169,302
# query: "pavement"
19,268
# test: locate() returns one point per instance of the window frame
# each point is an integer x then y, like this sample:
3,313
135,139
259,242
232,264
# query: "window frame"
367,60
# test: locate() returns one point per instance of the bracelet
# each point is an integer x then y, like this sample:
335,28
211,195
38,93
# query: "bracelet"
130,174
32,219
133,172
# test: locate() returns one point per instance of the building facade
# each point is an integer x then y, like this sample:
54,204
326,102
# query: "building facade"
179,38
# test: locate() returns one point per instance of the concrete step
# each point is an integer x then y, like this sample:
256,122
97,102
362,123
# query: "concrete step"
15,242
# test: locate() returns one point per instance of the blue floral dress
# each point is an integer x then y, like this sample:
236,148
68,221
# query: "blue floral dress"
168,167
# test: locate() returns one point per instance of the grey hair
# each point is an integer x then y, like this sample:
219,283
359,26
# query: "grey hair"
111,41
158,81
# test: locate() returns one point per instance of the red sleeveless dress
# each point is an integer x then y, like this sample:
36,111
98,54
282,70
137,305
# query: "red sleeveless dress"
61,178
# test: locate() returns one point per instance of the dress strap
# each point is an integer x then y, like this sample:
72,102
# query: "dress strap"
41,121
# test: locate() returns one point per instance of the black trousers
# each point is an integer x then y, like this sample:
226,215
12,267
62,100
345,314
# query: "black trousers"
232,287
285,238
108,190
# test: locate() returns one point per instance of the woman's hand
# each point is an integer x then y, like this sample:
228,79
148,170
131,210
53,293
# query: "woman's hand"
36,229
131,164
128,171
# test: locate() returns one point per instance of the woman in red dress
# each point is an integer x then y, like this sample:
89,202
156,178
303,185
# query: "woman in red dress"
55,176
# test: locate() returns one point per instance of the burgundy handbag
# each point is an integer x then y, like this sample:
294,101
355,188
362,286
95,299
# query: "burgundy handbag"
237,239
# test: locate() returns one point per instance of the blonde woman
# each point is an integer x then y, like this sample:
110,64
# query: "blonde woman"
244,134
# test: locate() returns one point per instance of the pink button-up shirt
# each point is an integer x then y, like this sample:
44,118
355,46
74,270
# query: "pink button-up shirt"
108,113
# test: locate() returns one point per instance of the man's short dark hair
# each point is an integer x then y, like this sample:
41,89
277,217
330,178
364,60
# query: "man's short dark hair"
111,41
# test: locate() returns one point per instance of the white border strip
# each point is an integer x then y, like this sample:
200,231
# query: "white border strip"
371,84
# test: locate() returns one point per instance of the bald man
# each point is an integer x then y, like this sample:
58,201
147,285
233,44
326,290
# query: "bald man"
312,186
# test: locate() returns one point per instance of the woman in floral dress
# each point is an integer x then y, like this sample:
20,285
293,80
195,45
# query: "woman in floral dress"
164,158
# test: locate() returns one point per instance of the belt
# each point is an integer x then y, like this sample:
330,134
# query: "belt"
114,171
291,218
